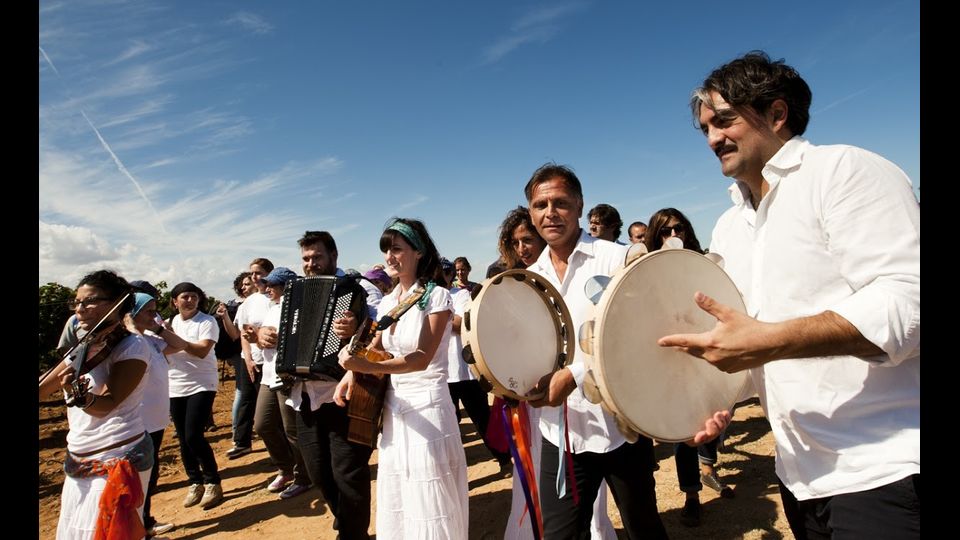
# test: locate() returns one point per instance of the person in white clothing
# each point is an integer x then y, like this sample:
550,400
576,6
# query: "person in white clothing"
598,449
422,473
193,386
824,244
276,420
249,369
338,466
155,407
520,245
108,452
464,387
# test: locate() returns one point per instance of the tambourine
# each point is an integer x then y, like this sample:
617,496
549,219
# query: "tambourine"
660,392
515,331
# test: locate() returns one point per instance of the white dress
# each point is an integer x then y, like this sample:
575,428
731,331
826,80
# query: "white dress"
422,475
80,497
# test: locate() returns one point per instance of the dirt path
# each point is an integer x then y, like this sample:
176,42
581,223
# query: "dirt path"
250,511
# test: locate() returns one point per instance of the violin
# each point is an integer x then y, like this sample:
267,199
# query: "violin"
88,355
94,347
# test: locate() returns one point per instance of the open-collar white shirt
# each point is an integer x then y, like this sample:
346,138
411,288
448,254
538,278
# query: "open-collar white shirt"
838,230
591,428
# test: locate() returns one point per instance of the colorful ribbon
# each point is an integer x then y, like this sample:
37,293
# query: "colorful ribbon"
517,425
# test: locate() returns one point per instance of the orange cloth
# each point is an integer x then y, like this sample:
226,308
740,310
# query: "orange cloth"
118,518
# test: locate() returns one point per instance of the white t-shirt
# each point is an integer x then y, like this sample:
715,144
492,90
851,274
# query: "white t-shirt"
272,318
155,409
457,368
189,374
88,433
252,311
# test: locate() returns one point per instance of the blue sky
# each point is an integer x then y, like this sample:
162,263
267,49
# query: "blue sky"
179,140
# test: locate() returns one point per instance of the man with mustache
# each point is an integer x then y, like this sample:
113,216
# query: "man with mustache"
824,244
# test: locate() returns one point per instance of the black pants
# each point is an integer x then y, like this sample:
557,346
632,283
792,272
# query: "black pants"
339,467
148,520
688,460
245,403
890,511
474,400
190,416
628,471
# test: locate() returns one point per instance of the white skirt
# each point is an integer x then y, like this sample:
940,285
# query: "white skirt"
80,499
422,471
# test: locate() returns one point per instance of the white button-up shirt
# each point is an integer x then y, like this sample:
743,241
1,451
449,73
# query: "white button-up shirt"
591,428
838,230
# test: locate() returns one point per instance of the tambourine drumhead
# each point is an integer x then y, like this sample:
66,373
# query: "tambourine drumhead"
517,330
662,392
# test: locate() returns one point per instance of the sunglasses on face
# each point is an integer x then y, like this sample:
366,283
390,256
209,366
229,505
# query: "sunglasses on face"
677,229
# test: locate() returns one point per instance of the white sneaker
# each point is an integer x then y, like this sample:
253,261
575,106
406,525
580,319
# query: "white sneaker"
160,528
212,496
194,494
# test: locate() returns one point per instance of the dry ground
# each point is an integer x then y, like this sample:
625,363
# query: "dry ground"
249,510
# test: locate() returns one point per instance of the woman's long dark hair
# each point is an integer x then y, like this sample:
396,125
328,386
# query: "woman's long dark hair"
659,220
516,217
112,285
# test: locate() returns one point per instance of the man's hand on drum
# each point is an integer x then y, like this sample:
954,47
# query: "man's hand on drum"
712,428
344,390
345,326
555,388
737,342
267,337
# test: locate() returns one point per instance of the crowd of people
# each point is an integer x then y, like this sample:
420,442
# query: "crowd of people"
822,241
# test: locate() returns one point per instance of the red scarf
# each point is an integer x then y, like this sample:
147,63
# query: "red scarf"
118,518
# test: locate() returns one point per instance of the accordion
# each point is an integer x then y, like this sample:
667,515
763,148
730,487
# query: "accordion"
307,347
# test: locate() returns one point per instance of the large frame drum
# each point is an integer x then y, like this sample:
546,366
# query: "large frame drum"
660,392
515,331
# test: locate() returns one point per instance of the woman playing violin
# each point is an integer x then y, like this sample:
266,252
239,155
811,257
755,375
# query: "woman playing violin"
108,452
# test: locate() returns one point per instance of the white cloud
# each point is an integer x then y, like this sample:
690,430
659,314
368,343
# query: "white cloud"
537,26
72,245
214,229
250,21
419,199
135,49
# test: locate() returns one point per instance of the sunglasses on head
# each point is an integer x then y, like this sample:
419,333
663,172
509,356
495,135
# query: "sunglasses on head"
676,229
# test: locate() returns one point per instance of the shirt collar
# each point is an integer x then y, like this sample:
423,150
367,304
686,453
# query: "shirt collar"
788,157
584,245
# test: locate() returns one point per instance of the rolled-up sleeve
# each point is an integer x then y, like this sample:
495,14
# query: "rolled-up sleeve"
872,221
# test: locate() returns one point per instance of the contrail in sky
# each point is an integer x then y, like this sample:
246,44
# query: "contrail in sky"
47,58
116,160
124,170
